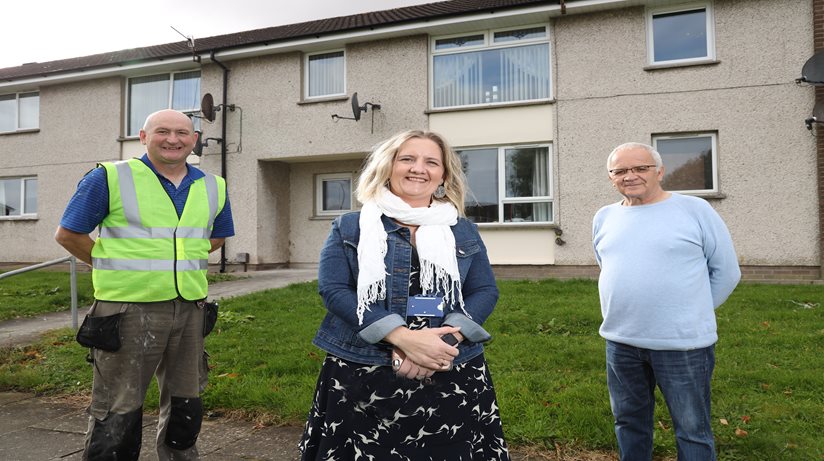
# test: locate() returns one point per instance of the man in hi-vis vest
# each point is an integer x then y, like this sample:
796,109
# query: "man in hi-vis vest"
158,218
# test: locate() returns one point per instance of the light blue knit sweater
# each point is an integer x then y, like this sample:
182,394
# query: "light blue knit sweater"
665,267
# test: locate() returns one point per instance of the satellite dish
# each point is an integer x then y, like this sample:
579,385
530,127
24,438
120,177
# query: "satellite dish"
818,111
813,70
356,108
207,107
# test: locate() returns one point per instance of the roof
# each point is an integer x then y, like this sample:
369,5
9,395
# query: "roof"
375,19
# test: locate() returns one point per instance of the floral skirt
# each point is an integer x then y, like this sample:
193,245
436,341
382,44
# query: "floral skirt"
367,413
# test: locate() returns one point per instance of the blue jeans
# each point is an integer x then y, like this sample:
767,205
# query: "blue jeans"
684,380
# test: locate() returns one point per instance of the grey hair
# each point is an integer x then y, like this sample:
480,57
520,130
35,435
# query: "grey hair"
656,157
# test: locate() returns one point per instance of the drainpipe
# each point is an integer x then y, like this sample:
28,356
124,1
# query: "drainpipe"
225,106
818,45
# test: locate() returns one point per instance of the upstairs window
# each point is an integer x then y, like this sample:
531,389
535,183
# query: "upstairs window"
690,162
18,196
325,74
333,194
491,67
19,111
178,90
681,34
508,184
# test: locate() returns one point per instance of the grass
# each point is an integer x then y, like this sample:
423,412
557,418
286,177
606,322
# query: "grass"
546,358
39,292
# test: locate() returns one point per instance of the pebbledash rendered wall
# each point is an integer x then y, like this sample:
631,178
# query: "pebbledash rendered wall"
604,96
766,156
74,135
287,140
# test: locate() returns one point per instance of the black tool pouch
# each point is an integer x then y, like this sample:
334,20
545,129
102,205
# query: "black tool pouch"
100,332
209,317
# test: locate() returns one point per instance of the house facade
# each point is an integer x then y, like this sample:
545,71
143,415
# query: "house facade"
532,94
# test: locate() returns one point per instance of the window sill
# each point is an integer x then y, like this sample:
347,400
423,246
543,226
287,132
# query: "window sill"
704,195
304,102
326,217
127,138
490,106
27,130
32,217
672,65
510,225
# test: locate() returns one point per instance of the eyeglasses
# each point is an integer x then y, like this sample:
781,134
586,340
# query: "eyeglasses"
636,169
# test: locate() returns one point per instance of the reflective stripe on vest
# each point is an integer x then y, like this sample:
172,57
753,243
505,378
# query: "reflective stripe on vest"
128,196
149,265
178,256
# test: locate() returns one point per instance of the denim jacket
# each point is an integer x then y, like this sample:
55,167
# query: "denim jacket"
341,334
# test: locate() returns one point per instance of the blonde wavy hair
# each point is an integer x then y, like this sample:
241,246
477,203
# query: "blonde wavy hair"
378,168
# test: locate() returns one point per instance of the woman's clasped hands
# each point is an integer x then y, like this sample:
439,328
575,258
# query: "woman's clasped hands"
418,354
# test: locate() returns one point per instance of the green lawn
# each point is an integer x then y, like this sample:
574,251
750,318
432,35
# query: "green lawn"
39,292
546,358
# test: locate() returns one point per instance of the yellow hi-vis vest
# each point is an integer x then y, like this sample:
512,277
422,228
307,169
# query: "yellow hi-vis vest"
144,252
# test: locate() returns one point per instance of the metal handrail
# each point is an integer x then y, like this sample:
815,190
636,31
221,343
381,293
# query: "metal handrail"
72,279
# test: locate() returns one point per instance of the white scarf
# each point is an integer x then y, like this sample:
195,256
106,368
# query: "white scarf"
434,241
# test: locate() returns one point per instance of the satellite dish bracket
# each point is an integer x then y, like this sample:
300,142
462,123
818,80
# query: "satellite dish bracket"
357,109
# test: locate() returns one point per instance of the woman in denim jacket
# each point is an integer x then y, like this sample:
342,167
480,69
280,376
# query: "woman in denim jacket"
407,285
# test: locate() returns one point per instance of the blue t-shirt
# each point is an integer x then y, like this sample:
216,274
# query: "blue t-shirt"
90,203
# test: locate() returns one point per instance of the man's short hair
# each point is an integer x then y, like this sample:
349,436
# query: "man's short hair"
656,157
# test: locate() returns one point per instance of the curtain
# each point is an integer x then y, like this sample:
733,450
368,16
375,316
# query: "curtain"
499,75
10,197
524,73
29,106
146,95
326,74
186,91
458,80
30,189
8,108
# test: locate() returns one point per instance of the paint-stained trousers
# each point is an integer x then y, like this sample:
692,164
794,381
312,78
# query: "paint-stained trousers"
163,339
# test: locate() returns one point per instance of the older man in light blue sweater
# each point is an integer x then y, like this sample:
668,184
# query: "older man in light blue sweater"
667,261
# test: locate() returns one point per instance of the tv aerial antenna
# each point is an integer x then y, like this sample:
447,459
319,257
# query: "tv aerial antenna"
190,41
357,109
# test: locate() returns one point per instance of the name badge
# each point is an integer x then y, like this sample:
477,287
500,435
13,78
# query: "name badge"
424,306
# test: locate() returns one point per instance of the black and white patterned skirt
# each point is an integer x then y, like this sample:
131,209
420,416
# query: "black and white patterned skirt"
368,413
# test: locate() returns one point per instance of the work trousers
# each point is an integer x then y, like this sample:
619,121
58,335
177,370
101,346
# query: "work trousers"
163,339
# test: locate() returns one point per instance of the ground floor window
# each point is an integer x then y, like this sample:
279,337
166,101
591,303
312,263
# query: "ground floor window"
508,184
18,196
690,162
333,193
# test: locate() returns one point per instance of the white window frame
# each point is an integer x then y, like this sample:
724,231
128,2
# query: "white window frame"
192,112
714,140
488,44
24,213
501,176
710,30
319,180
17,126
306,57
